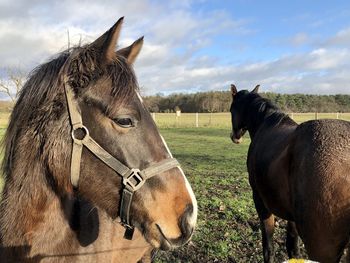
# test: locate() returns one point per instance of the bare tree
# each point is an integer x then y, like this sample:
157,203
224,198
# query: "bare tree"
12,83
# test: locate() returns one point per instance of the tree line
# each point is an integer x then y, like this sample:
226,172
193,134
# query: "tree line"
220,101
214,101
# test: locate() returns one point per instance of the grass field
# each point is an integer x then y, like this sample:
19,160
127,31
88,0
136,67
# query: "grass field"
228,227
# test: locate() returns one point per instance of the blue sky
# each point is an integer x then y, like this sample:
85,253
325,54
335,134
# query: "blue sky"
272,26
190,46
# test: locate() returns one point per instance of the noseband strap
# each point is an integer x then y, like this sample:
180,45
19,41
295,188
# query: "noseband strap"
133,178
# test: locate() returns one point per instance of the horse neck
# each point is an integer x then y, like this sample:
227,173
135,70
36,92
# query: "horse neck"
24,202
34,211
46,225
49,234
30,188
265,115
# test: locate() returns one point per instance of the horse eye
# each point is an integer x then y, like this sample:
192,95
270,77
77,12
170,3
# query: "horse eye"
124,122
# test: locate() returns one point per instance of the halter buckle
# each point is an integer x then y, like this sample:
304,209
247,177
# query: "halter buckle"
129,232
134,180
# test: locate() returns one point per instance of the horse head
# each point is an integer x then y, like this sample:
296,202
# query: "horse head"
238,112
105,93
80,131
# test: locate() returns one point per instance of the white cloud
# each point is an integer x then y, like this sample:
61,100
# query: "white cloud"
299,39
320,71
342,38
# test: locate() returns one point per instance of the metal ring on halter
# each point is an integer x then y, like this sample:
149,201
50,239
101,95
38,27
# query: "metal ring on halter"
76,127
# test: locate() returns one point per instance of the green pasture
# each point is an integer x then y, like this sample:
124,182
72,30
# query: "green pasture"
228,227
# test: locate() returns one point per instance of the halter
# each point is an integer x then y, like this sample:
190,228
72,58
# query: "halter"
133,178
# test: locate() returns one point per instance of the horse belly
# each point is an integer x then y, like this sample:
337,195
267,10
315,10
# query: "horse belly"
274,188
277,201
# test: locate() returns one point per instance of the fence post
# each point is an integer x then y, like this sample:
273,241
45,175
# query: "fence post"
154,116
337,115
197,124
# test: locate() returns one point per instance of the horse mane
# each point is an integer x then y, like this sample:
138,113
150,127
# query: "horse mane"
42,99
261,109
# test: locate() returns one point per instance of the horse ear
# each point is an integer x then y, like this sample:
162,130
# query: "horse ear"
108,41
256,89
132,51
233,90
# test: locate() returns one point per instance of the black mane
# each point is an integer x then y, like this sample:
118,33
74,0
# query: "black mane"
262,110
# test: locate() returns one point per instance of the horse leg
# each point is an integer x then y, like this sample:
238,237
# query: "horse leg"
267,225
292,242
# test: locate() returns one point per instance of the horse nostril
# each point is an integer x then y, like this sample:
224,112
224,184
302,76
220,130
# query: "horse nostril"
185,225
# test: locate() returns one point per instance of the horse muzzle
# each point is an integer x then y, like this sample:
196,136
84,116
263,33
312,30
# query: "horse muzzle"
186,226
235,139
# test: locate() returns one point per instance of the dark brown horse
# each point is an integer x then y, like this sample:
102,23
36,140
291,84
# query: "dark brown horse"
300,173
82,153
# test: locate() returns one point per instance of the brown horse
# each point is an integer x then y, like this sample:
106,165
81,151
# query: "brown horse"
82,156
300,173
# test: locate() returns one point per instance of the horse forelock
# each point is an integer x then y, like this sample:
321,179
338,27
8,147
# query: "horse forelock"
85,68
